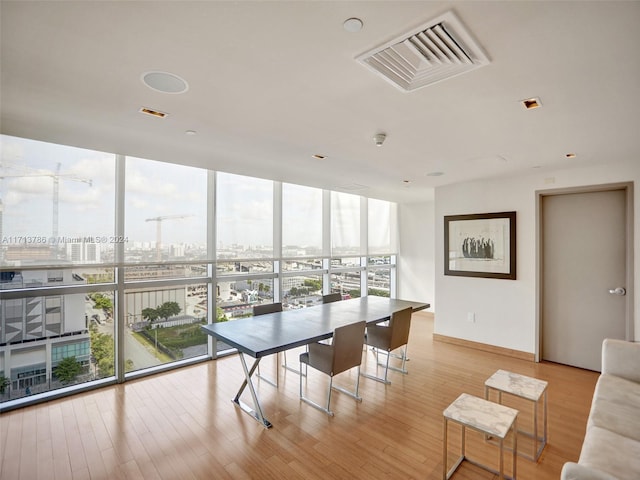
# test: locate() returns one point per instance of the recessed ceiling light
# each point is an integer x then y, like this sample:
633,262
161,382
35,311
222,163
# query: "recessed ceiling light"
435,174
379,139
571,155
317,156
531,103
352,25
153,113
164,82
190,132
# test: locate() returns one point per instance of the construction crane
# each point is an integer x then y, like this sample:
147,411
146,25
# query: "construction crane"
56,176
159,230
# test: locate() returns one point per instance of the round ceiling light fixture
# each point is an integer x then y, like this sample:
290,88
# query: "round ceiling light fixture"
164,82
352,25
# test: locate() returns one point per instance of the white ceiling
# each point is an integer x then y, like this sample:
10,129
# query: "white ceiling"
271,83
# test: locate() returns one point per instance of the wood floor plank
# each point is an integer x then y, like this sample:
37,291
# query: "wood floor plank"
182,424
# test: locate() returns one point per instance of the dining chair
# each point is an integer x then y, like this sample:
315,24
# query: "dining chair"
384,339
344,353
332,297
263,309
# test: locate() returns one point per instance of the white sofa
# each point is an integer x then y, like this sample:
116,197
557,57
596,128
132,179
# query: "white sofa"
611,448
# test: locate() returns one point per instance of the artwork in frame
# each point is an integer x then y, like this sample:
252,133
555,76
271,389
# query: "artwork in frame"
480,245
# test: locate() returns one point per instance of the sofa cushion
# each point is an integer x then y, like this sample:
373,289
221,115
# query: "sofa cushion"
621,358
575,471
611,453
615,406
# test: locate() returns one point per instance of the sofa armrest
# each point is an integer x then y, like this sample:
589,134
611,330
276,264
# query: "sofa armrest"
575,471
621,358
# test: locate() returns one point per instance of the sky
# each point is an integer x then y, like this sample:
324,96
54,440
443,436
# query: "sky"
153,189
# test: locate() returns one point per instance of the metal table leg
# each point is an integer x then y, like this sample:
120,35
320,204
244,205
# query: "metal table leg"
255,412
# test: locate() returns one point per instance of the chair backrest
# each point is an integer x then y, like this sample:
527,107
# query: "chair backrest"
332,297
266,308
347,347
400,324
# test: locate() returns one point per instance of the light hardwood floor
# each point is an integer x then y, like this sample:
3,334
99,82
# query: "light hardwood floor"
182,424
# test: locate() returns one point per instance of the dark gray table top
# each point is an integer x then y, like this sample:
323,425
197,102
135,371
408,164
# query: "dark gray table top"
274,332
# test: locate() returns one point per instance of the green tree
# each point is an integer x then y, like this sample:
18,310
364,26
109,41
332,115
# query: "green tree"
102,302
220,315
4,383
102,349
106,365
68,369
378,292
313,284
128,365
168,309
150,314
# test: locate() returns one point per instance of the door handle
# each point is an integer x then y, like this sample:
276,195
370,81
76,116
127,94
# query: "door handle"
618,291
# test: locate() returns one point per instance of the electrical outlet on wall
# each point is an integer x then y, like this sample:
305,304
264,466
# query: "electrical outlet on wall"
471,317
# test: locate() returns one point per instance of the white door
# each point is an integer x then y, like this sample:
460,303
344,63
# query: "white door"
583,259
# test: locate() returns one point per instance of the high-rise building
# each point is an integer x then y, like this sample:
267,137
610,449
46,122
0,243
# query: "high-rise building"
83,252
36,333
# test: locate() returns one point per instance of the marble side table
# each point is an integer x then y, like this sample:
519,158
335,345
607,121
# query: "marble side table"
483,416
527,388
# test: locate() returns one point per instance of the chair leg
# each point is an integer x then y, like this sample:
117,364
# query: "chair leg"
314,404
329,396
386,369
327,409
402,356
300,380
354,394
268,380
404,359
287,367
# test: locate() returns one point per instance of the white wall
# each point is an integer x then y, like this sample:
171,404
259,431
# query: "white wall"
416,252
505,310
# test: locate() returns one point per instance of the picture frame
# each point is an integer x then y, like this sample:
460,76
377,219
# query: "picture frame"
480,245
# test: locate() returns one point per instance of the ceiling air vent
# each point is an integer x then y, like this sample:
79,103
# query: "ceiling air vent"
435,51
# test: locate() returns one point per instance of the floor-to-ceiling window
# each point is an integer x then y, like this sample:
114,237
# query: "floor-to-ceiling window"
346,247
381,240
165,269
109,265
245,273
56,278
303,272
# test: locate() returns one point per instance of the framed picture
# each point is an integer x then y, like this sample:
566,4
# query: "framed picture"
480,245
